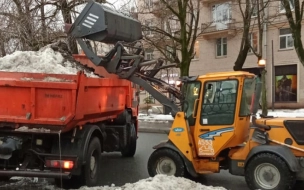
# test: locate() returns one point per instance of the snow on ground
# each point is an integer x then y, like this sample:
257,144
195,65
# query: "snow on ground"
159,182
285,113
44,61
275,113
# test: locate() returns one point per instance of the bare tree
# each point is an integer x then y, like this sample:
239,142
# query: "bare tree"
248,9
295,23
173,31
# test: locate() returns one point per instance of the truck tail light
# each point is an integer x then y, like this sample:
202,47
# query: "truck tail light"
66,164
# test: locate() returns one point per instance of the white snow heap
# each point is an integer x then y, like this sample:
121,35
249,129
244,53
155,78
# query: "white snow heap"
159,182
44,61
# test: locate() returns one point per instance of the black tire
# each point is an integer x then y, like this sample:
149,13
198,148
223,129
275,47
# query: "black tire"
166,161
122,118
94,150
130,149
276,173
86,177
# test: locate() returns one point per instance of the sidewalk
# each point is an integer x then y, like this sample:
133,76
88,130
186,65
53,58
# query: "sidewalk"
150,127
159,123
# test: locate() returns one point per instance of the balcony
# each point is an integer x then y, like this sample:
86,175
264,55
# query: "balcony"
213,30
207,2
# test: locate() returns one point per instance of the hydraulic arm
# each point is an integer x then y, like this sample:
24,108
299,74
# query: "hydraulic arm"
126,59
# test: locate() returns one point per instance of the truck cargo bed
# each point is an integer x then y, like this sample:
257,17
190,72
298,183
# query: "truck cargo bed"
57,101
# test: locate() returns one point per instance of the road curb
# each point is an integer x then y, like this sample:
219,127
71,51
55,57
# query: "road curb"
154,121
153,130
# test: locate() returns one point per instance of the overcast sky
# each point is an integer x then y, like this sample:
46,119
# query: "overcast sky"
119,3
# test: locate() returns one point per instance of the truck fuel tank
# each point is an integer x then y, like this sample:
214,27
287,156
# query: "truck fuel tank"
101,23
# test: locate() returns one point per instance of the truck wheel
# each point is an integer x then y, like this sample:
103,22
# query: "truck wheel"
269,171
130,149
166,161
91,170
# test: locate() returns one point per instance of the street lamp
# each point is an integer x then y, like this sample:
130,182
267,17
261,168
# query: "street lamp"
262,63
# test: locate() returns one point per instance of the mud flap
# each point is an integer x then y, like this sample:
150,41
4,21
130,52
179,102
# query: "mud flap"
282,151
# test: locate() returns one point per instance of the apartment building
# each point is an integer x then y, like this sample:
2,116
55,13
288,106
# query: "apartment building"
218,46
148,15
219,42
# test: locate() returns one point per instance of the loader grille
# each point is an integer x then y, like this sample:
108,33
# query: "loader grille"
296,129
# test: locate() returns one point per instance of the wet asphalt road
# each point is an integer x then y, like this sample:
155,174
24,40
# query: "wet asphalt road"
119,171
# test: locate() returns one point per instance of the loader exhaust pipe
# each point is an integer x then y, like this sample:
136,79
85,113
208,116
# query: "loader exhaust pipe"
256,103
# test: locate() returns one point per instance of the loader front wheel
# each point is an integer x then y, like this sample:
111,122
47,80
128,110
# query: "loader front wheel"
166,161
269,171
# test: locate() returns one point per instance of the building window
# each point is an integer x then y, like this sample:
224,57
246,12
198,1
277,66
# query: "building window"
254,8
286,83
148,3
286,40
253,38
169,51
221,47
149,56
282,8
149,25
221,15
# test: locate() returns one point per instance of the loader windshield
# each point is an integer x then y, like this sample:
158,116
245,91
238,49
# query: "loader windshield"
247,95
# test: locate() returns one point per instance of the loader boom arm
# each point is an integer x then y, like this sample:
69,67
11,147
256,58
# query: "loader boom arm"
126,59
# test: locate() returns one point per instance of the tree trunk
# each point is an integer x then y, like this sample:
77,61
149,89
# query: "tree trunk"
2,48
43,25
298,45
295,22
245,46
66,14
184,68
238,64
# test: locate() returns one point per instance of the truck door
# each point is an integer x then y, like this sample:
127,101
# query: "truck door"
216,116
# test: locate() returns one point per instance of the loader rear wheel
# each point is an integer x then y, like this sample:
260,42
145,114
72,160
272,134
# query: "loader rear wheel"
166,161
269,171
130,149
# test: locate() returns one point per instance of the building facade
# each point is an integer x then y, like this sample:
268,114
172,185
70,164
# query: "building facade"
219,41
219,45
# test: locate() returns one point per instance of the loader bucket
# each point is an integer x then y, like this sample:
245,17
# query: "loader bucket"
100,23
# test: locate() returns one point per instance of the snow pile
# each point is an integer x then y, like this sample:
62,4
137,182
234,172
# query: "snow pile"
155,118
159,182
276,113
285,113
52,59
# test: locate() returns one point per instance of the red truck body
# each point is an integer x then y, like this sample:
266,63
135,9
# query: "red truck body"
88,114
64,101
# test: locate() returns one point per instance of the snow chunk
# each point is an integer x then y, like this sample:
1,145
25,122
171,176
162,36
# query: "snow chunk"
46,60
159,182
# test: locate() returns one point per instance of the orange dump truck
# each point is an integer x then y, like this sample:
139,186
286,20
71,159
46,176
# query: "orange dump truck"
57,126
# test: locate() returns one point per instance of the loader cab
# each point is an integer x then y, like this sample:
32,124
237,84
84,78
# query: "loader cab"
218,109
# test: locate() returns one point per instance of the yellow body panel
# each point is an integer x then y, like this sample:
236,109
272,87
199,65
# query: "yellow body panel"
203,143
181,137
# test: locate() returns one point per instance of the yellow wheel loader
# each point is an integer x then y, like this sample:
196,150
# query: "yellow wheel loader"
218,129
215,124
